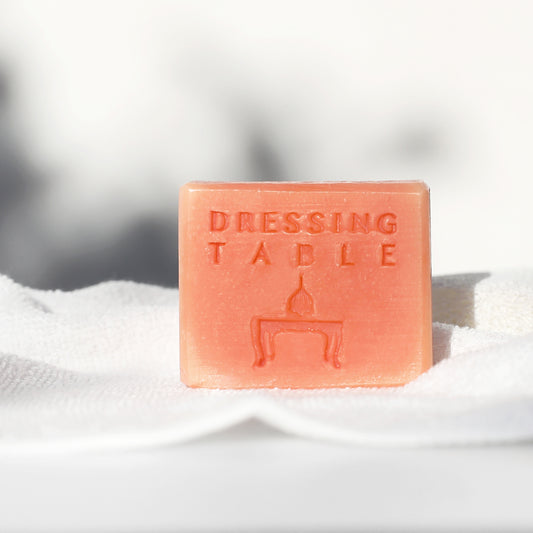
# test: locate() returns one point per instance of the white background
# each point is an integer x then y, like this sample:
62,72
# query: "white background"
112,105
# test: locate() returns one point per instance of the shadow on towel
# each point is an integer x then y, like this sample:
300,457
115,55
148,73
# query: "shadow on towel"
454,304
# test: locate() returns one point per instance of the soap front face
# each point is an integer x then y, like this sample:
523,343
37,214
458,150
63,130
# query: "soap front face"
304,285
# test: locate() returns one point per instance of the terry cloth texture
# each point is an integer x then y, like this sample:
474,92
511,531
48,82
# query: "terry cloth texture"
99,368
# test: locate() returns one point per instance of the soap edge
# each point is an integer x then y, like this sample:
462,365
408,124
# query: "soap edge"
384,186
183,211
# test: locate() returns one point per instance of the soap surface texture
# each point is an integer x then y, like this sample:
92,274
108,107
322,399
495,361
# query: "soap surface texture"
304,285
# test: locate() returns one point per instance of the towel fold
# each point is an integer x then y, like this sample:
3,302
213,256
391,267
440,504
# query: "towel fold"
99,368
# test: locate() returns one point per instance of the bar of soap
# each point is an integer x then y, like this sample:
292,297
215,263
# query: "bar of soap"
304,285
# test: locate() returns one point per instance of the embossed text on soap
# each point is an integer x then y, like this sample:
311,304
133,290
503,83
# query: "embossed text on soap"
223,224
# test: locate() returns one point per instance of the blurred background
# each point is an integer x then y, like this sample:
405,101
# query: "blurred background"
106,108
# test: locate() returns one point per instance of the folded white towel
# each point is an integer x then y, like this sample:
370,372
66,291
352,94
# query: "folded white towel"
99,367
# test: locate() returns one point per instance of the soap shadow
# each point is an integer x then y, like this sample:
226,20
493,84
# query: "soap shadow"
453,304
442,341
454,298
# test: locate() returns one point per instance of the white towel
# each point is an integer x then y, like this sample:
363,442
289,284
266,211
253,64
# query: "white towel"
99,368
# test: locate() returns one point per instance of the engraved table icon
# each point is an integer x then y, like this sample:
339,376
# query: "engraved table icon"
299,318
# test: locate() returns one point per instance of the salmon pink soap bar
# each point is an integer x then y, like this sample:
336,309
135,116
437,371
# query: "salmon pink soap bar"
304,285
